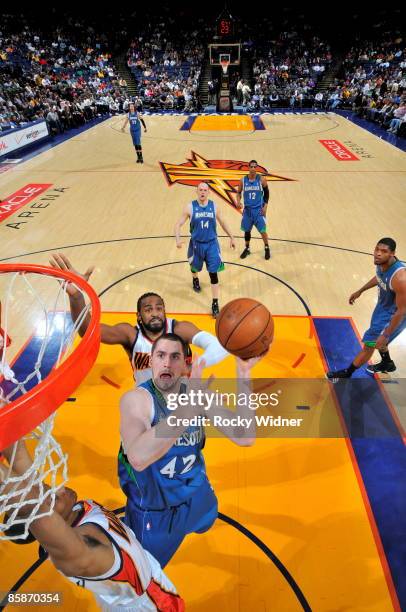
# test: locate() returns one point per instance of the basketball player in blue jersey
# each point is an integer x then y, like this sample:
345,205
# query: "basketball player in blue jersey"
134,119
152,322
204,246
254,188
161,465
389,316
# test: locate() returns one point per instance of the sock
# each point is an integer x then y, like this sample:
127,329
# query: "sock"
351,369
385,356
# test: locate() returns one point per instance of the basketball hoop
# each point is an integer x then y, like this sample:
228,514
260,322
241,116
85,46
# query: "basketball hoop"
29,404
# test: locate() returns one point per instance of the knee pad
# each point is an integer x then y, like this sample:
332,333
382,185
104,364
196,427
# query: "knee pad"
247,236
214,279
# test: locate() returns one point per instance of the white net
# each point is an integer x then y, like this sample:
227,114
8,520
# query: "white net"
47,303
225,64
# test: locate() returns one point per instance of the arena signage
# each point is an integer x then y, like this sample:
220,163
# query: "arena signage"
22,137
338,150
20,198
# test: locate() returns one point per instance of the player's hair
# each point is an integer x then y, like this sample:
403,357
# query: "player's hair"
173,338
389,242
147,295
253,161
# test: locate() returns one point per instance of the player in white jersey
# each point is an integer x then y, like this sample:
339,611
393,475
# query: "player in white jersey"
151,324
93,548
141,350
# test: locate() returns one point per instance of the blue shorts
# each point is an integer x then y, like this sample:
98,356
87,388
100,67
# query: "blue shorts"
161,532
251,217
205,252
379,321
136,136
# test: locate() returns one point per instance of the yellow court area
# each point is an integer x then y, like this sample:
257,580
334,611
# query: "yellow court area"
326,535
300,499
222,123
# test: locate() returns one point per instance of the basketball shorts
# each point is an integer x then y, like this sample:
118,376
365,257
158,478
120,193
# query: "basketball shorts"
205,252
252,217
136,136
379,321
161,532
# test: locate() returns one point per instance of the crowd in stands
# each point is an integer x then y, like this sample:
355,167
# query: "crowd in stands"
166,63
373,83
286,72
66,75
49,76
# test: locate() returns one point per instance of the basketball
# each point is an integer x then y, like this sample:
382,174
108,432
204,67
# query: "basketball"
245,328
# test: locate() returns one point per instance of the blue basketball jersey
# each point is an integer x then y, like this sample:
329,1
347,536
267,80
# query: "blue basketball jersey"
173,478
386,295
135,123
253,192
203,227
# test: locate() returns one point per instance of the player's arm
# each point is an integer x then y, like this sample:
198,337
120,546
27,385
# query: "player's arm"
122,333
399,287
126,121
81,551
213,351
265,188
240,188
72,552
186,214
225,227
244,435
142,443
369,285
142,121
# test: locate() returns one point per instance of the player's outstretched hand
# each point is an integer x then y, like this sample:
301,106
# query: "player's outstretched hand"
354,296
179,244
61,262
244,366
232,243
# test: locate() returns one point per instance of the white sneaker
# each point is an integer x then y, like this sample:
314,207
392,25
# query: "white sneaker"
6,371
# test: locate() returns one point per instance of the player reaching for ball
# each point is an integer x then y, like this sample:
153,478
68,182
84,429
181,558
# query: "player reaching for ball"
161,465
204,246
152,322
254,188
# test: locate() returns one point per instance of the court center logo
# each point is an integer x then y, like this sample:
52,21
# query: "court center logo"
222,175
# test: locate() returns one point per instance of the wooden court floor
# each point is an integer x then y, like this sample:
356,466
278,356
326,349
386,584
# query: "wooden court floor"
304,499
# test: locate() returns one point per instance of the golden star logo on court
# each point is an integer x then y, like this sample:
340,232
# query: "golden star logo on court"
222,175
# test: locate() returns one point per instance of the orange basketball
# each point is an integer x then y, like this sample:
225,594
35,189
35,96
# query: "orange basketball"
245,328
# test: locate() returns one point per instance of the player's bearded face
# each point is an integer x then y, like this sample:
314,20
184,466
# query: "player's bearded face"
155,324
153,316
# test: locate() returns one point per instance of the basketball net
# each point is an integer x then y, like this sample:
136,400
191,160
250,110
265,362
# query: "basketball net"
36,488
224,65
